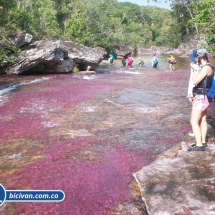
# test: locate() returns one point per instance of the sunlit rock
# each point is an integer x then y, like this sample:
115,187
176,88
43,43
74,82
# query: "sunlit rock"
43,57
46,56
83,55
180,184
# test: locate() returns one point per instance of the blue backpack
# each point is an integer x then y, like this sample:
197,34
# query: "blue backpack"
156,62
211,91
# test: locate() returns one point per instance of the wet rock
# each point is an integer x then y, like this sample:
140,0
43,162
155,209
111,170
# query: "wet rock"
180,184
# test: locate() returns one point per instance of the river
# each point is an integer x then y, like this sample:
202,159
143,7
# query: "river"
87,134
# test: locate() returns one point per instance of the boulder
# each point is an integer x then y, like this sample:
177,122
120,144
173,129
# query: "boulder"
46,56
123,51
42,57
143,51
22,39
82,55
156,49
179,182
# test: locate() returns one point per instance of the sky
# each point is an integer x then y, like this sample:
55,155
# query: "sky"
162,3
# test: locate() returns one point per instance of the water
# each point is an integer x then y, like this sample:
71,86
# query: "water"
87,134
182,63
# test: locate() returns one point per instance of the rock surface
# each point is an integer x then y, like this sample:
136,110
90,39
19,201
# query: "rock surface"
42,57
55,57
22,39
179,182
83,55
183,49
123,51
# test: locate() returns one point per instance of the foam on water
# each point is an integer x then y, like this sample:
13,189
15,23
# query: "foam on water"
89,77
133,73
5,91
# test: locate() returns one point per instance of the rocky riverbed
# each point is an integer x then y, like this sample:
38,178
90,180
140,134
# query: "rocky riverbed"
90,134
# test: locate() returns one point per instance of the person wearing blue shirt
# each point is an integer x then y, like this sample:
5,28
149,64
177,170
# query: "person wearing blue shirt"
154,61
111,59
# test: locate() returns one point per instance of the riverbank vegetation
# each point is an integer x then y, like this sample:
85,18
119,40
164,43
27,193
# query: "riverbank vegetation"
107,23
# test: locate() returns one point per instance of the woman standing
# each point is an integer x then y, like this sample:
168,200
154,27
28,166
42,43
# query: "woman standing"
202,82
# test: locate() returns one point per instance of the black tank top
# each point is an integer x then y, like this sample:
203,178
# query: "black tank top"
203,86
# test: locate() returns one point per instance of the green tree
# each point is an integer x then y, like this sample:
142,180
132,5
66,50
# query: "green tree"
204,11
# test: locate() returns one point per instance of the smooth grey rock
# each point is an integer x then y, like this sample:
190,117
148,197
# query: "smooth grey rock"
82,54
123,51
55,57
179,185
42,57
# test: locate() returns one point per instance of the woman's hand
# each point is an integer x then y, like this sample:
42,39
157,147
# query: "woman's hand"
191,99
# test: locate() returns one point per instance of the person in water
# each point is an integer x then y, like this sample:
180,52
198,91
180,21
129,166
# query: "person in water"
141,62
130,61
172,61
200,104
154,61
111,58
123,62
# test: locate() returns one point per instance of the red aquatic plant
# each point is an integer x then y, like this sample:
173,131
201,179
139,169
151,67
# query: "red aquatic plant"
91,187
25,113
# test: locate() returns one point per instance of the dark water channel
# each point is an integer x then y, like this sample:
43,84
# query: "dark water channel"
87,134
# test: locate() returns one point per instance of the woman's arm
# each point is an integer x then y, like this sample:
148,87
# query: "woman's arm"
205,71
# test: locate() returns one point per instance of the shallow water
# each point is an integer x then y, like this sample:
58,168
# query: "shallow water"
163,65
87,134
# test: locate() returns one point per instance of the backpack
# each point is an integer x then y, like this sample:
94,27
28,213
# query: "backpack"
174,61
156,62
211,91
206,86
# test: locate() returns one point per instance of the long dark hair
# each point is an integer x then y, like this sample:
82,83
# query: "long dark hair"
205,57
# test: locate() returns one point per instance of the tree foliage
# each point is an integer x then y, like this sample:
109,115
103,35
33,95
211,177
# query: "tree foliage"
204,16
106,23
196,17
